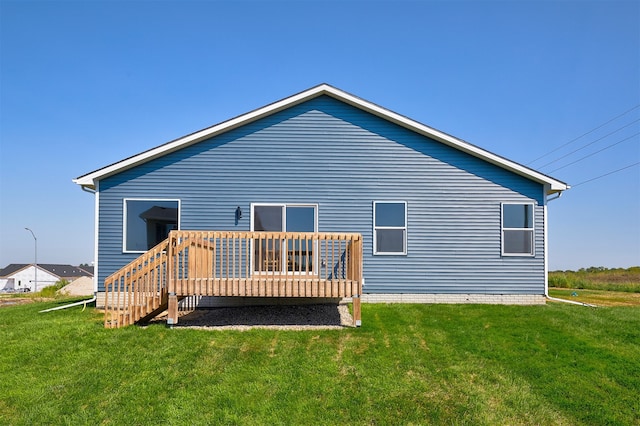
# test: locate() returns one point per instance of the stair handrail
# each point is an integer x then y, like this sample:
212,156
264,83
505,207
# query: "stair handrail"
137,288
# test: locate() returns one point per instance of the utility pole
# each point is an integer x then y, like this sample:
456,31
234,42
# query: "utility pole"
35,285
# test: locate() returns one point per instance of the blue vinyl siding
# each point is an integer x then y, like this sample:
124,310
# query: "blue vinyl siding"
328,153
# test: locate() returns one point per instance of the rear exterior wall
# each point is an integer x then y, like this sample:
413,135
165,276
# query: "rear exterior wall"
343,159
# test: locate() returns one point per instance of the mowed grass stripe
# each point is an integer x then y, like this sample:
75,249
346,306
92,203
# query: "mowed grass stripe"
408,364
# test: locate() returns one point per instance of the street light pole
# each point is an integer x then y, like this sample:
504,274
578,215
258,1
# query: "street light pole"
35,285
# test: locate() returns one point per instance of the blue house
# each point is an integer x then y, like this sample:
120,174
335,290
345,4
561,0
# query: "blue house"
321,187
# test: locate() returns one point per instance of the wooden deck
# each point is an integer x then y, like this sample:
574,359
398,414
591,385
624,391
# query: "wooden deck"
234,264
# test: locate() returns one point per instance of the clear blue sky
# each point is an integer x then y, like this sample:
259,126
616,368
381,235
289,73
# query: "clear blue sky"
85,84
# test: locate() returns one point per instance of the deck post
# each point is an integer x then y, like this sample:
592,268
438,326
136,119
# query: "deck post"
357,316
357,312
172,310
172,300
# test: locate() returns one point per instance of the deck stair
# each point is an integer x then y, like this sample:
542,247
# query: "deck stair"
138,289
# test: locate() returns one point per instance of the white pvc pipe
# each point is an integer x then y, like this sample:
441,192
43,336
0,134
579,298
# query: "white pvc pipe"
82,302
573,302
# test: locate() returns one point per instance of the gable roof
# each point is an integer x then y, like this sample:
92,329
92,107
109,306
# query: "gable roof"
12,269
64,271
60,271
89,180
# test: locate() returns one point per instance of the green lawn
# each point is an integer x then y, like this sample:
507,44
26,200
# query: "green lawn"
407,364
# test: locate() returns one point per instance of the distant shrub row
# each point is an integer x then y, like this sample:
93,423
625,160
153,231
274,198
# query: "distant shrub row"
602,269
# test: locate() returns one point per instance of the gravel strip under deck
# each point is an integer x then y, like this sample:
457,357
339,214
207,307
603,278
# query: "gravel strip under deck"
281,317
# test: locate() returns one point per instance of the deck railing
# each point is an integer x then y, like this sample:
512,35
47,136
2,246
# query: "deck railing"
241,264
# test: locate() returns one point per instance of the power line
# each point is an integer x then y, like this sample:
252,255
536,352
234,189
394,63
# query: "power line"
594,153
584,134
606,174
589,144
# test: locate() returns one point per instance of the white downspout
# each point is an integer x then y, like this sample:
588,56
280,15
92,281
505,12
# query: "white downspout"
546,260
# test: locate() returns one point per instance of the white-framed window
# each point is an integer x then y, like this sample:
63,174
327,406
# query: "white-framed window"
147,222
389,227
517,229
280,255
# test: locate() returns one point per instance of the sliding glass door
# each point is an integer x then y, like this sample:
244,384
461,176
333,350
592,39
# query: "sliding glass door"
294,254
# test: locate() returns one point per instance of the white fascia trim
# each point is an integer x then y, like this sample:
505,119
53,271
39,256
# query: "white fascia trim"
89,180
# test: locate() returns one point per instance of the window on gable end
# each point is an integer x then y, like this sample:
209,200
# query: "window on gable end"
389,227
517,229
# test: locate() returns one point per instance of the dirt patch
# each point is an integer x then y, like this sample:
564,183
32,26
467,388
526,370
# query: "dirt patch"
12,301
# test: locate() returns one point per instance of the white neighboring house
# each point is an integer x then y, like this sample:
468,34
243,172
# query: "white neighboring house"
18,277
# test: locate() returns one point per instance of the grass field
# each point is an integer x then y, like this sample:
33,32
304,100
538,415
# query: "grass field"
620,280
408,364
